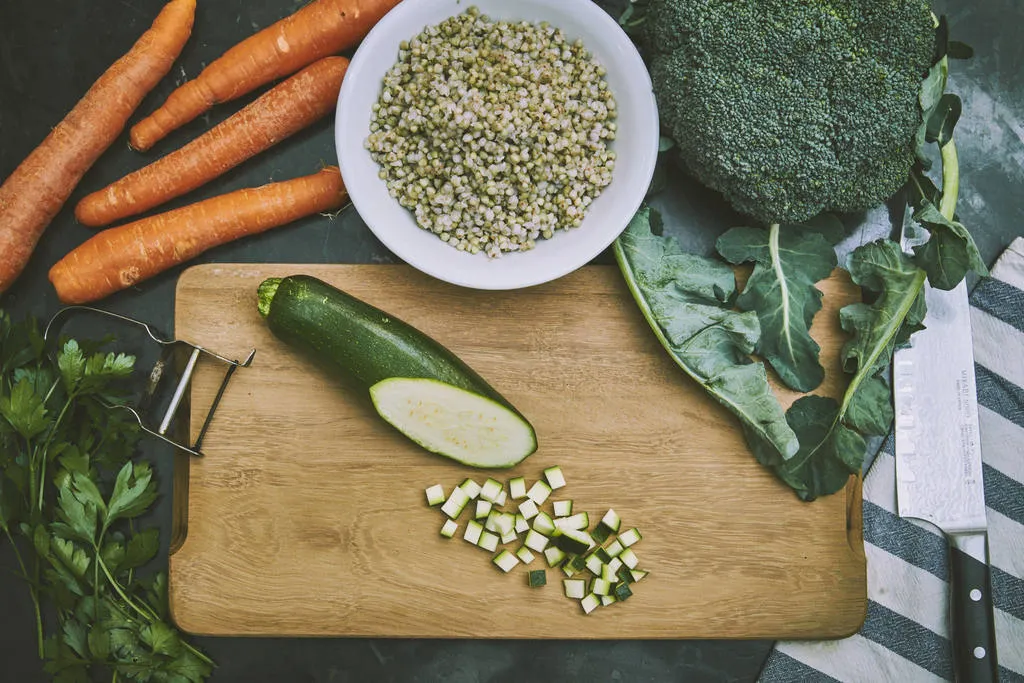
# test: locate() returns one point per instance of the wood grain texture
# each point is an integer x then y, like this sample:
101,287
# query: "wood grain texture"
307,517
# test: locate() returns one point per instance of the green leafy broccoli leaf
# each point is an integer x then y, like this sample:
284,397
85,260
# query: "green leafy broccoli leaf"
687,300
830,451
789,260
831,434
950,252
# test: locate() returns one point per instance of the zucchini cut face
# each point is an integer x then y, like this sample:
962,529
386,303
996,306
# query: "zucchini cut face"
458,424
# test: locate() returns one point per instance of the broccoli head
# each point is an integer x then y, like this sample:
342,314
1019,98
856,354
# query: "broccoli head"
791,107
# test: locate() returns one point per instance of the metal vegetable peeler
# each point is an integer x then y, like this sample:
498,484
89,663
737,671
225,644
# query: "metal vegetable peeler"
155,381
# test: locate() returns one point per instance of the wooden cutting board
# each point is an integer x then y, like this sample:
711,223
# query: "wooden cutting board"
307,517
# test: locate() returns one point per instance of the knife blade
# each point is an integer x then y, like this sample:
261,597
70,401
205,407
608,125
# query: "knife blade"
939,468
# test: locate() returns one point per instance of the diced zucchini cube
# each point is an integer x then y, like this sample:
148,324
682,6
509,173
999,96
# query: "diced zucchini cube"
594,565
614,548
490,490
622,591
611,520
488,541
574,588
473,531
517,488
624,575
578,562
506,522
556,479
528,509
539,493
638,574
563,508
568,570
607,574
544,524
509,537
603,555
492,520
502,498
615,564
554,556
471,488
456,503
601,533
607,600
536,542
525,556
578,521
449,528
628,538
600,587
629,558
483,508
574,541
590,603
522,526
537,578
435,495
505,561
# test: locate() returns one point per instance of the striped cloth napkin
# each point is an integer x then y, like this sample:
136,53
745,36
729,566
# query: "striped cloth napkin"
905,638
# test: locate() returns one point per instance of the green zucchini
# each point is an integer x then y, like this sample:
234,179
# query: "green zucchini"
417,385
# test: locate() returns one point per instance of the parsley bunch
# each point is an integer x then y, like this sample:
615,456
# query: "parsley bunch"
70,490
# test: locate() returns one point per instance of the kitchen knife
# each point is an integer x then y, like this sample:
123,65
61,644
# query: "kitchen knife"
939,470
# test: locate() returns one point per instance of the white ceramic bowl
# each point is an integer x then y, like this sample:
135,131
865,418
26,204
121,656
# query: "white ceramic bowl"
636,145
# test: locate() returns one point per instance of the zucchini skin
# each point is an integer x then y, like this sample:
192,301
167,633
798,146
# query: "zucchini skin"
359,341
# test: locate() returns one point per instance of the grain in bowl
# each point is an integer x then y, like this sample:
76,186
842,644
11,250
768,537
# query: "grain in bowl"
494,134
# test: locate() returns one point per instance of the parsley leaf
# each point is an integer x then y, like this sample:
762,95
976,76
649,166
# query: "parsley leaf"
141,548
134,491
72,365
24,410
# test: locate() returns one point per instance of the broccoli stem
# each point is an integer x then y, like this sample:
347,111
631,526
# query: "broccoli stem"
950,180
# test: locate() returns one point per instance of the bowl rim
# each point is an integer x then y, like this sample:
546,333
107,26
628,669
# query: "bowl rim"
343,134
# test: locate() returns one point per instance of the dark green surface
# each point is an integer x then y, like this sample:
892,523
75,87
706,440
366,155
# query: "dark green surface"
51,50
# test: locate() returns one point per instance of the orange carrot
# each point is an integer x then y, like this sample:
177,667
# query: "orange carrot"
120,257
321,28
279,113
37,189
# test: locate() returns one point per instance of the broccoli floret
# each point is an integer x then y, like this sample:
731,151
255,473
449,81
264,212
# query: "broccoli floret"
791,107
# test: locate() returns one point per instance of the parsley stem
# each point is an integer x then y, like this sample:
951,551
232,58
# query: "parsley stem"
116,585
33,593
44,453
144,611
49,393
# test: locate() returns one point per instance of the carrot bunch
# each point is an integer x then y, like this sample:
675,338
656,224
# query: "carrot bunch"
301,48
36,191
321,28
121,257
281,112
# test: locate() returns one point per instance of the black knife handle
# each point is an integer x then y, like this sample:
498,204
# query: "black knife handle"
973,621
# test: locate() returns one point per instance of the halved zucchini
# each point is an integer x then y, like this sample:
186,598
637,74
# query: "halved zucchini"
453,422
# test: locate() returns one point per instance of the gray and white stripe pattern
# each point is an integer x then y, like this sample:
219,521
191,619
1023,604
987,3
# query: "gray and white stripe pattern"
905,636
